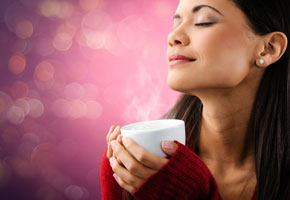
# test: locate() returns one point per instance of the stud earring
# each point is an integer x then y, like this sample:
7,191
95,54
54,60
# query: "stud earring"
261,61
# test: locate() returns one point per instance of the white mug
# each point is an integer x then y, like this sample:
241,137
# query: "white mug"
150,134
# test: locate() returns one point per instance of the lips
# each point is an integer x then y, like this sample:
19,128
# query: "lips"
179,59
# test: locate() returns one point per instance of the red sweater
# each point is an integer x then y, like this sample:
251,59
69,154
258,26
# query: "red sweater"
185,176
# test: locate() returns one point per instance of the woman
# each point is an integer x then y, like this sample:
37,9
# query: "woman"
230,59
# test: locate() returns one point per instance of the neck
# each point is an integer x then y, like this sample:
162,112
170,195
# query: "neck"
224,138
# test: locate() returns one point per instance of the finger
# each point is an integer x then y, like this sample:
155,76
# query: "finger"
109,133
125,175
114,134
124,185
146,158
169,147
109,149
130,163
119,139
119,161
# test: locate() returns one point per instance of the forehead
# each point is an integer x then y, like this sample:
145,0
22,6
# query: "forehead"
227,7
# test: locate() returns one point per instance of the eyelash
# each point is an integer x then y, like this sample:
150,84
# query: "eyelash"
205,24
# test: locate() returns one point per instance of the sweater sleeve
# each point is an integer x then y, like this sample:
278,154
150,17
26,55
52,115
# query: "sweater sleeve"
110,189
185,176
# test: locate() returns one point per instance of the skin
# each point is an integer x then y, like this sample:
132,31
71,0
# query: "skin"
225,76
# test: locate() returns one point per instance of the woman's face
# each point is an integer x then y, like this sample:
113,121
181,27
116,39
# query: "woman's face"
215,36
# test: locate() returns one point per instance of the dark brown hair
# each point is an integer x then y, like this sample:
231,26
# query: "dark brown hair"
270,117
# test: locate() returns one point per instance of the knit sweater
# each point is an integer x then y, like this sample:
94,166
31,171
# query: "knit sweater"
184,176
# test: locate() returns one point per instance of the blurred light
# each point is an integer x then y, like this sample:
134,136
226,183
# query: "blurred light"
24,29
19,89
15,115
25,149
74,91
131,33
78,110
62,41
95,39
94,110
17,64
33,94
50,8
163,9
66,10
36,108
61,108
74,192
23,104
68,29
44,155
86,193
44,71
89,4
90,91
94,26
5,103
11,136
112,42
44,85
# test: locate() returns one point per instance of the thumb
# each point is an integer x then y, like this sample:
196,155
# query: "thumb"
169,147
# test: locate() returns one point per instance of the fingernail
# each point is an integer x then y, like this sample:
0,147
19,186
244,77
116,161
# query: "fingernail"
119,138
111,161
116,129
116,176
124,140
168,145
113,144
111,128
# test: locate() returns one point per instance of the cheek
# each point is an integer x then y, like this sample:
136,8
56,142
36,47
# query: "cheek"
224,56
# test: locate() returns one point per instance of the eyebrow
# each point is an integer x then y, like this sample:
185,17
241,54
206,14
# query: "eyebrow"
197,8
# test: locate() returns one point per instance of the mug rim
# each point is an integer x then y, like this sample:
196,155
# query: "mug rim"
125,128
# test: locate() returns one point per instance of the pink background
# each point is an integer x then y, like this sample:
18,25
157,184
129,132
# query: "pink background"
68,70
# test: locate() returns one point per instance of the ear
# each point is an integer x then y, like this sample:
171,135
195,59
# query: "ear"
273,46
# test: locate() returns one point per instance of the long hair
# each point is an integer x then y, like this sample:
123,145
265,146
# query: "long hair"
270,116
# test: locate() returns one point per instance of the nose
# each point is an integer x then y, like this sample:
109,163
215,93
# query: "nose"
178,37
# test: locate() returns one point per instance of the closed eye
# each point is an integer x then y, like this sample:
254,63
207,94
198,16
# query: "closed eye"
204,24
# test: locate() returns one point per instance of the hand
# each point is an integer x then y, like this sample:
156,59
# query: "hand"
114,132
137,163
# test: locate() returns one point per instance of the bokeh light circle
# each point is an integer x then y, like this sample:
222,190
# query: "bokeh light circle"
15,115
61,108
23,104
17,64
24,29
74,91
78,110
94,109
5,103
36,108
73,192
44,71
19,89
130,32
